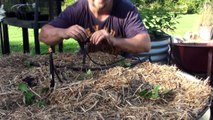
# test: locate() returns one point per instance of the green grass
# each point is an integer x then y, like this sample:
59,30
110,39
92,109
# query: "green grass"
186,23
16,44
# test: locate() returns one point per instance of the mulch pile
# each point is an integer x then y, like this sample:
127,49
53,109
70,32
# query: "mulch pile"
113,93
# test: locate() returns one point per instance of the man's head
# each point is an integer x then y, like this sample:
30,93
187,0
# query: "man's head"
101,5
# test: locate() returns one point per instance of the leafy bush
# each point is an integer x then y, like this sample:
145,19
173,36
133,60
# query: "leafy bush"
67,3
190,6
158,17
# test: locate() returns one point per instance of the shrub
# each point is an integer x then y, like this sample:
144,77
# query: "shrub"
67,3
158,17
190,6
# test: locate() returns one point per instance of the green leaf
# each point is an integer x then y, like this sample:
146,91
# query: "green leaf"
29,97
121,63
124,64
145,94
128,65
42,103
81,77
89,72
155,92
27,64
23,87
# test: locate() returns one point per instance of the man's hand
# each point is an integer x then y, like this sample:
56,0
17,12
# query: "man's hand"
100,35
76,32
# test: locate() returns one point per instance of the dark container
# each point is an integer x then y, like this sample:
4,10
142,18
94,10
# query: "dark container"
192,57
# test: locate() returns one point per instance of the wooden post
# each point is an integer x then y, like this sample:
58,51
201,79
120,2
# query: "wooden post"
1,37
26,48
6,39
37,44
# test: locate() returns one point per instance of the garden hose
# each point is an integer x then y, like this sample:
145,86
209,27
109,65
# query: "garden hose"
53,70
107,65
84,48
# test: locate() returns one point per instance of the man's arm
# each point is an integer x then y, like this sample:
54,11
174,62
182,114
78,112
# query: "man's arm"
51,35
137,44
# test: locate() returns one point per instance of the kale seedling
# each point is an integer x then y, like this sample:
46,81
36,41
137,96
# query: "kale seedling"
152,93
29,96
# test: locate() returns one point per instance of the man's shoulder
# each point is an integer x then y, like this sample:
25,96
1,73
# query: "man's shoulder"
122,7
127,4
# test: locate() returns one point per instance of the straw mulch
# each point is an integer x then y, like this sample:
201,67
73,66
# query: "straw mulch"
103,94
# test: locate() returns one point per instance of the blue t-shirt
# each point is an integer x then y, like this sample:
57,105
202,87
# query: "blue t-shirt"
124,20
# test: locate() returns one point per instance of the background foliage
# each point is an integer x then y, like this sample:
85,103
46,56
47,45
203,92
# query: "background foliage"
158,16
161,16
190,6
182,6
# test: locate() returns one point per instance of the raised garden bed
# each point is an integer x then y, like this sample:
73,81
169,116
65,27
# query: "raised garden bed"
145,91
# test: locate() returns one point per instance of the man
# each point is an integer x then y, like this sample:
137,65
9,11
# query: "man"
112,25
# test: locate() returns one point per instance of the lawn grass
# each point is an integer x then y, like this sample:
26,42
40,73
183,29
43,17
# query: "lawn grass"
16,44
186,23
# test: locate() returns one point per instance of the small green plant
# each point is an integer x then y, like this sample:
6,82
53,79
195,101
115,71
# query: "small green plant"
152,93
86,75
124,64
89,73
27,64
29,97
42,103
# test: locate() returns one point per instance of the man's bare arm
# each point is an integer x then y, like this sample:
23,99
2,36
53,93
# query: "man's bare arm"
137,44
51,35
